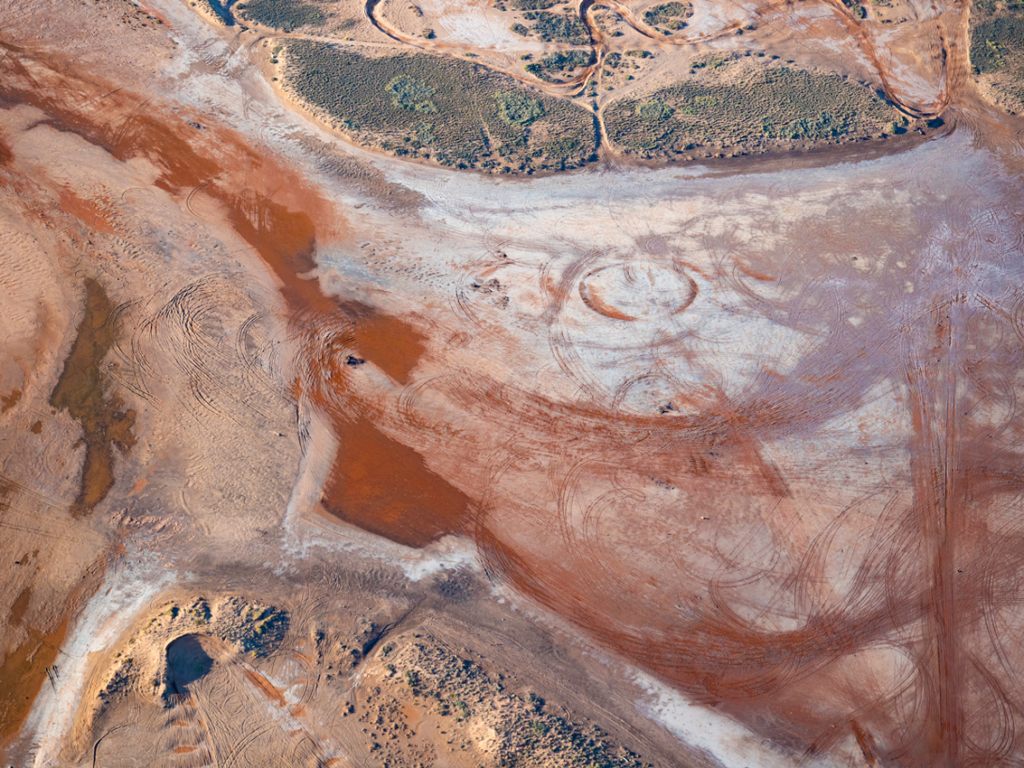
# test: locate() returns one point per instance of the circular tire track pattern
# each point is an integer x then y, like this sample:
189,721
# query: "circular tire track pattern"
228,373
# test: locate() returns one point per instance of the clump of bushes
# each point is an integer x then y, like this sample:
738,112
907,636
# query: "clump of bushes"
516,108
669,16
997,39
653,111
559,63
562,28
534,5
997,49
409,93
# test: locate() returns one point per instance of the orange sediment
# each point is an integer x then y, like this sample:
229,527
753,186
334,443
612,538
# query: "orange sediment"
905,594
26,668
23,674
385,487
265,687
86,211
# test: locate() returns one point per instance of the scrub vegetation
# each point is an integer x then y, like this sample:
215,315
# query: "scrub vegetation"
997,49
451,112
729,104
559,66
286,16
462,698
669,17
559,28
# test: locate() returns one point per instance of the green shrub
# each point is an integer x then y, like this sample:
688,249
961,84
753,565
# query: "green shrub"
534,5
516,108
562,28
653,111
562,148
996,39
671,16
425,133
997,47
409,93
559,62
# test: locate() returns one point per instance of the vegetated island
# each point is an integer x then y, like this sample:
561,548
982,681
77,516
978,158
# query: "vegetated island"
460,114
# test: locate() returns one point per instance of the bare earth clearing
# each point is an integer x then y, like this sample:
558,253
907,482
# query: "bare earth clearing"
315,453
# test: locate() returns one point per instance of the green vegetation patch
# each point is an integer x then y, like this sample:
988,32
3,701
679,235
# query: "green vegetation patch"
466,698
749,108
446,110
409,93
653,111
997,36
285,15
669,17
516,108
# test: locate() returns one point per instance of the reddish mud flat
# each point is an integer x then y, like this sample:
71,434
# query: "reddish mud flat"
384,487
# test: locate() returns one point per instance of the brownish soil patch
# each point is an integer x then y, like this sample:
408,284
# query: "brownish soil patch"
9,401
81,391
20,606
23,674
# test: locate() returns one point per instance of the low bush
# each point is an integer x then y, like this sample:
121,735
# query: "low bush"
670,16
409,93
560,63
516,108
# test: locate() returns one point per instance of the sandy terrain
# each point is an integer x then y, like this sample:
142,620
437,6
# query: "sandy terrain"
315,457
